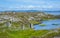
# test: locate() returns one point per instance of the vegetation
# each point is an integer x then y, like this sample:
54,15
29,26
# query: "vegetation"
28,34
42,24
22,23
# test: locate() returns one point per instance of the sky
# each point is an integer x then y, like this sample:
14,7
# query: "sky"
29,5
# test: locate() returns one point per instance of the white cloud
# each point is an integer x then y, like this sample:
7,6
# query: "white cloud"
28,7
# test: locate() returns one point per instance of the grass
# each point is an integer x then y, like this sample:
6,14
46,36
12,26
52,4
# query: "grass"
23,33
34,22
42,24
27,33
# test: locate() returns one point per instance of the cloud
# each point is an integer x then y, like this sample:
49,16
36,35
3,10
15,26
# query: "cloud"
29,4
28,7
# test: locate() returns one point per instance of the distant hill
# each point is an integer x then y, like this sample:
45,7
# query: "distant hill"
21,11
28,11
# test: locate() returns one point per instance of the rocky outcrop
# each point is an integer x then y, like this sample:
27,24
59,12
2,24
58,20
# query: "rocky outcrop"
22,19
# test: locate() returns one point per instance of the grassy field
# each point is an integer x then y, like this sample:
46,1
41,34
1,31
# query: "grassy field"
28,34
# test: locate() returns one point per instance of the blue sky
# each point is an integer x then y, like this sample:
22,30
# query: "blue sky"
29,4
